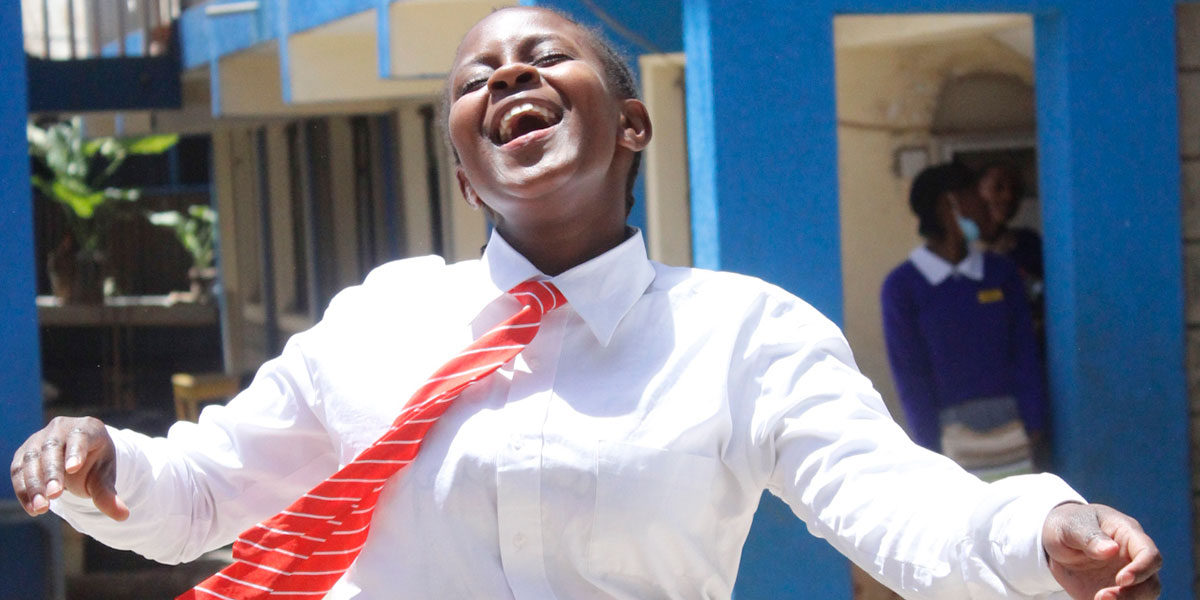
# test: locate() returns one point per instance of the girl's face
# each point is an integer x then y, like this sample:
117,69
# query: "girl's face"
998,188
531,117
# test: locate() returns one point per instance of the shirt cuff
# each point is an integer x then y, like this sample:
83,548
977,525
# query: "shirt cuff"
125,453
127,462
1017,530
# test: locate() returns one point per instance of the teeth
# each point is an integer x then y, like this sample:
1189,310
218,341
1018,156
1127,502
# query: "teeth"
509,120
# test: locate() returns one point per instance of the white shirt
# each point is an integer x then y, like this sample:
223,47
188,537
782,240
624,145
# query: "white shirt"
621,455
936,269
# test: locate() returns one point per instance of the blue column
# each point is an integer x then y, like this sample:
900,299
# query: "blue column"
1108,131
23,567
762,137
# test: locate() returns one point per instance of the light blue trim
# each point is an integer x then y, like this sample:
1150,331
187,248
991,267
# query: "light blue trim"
383,40
701,131
240,31
214,71
133,45
206,38
324,12
283,33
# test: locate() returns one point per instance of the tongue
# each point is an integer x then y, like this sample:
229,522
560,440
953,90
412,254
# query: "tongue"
528,124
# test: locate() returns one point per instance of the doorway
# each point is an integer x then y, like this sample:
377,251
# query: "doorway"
914,91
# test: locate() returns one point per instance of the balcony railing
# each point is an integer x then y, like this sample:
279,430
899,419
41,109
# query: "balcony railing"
72,29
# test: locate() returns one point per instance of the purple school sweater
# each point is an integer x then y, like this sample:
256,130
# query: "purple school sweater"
959,340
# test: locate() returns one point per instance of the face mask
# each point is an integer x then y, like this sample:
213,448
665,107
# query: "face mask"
969,228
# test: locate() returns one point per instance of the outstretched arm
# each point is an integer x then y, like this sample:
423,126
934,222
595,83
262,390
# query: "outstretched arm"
171,499
1098,553
910,517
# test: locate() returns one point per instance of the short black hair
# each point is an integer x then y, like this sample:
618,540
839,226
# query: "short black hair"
617,74
928,186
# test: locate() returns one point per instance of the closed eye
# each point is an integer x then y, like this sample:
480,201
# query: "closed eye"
547,60
471,85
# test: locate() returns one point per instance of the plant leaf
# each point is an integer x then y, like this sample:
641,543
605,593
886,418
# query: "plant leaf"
151,144
82,203
93,146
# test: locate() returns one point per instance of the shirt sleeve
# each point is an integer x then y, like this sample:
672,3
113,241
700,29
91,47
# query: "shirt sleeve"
909,360
910,517
203,484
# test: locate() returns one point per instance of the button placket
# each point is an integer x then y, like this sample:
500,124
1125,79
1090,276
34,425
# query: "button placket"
519,464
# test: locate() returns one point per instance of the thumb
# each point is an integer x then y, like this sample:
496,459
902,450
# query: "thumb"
104,496
1085,535
1101,546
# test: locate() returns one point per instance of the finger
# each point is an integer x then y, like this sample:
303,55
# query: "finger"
1147,590
76,450
31,471
52,466
103,492
17,473
1144,561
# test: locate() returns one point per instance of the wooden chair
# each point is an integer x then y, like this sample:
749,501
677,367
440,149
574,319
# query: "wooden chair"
193,391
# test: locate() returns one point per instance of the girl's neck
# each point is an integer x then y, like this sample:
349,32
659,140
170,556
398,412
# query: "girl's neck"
951,249
556,248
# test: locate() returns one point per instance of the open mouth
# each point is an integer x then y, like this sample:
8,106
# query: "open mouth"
523,119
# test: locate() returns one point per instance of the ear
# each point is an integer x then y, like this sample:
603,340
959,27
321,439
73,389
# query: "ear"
464,186
635,125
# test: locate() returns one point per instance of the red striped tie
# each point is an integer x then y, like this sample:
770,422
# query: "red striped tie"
302,551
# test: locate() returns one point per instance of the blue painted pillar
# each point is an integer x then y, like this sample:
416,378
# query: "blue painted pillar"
1108,131
20,359
24,550
762,134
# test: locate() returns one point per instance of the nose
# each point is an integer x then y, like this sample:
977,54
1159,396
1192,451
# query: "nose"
513,76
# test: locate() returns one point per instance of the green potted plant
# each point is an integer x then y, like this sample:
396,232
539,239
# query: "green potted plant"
195,229
73,172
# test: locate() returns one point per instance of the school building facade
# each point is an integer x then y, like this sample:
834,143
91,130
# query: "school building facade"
780,129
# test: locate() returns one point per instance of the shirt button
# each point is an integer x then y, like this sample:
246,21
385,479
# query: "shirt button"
519,540
516,445
533,362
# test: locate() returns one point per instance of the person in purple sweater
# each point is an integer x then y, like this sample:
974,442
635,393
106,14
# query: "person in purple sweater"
960,336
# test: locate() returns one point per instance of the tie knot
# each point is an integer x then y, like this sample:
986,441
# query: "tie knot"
540,295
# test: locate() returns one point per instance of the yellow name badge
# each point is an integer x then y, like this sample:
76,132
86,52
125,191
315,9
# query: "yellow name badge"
992,295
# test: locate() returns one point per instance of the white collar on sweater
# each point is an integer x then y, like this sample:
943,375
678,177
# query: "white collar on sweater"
936,269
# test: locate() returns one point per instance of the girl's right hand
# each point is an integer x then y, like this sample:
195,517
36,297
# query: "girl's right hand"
71,454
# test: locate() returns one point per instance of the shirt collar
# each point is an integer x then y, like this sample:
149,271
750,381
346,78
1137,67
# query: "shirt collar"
601,290
936,269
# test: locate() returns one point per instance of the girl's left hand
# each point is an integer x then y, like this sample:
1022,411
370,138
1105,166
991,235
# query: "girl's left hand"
1098,553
